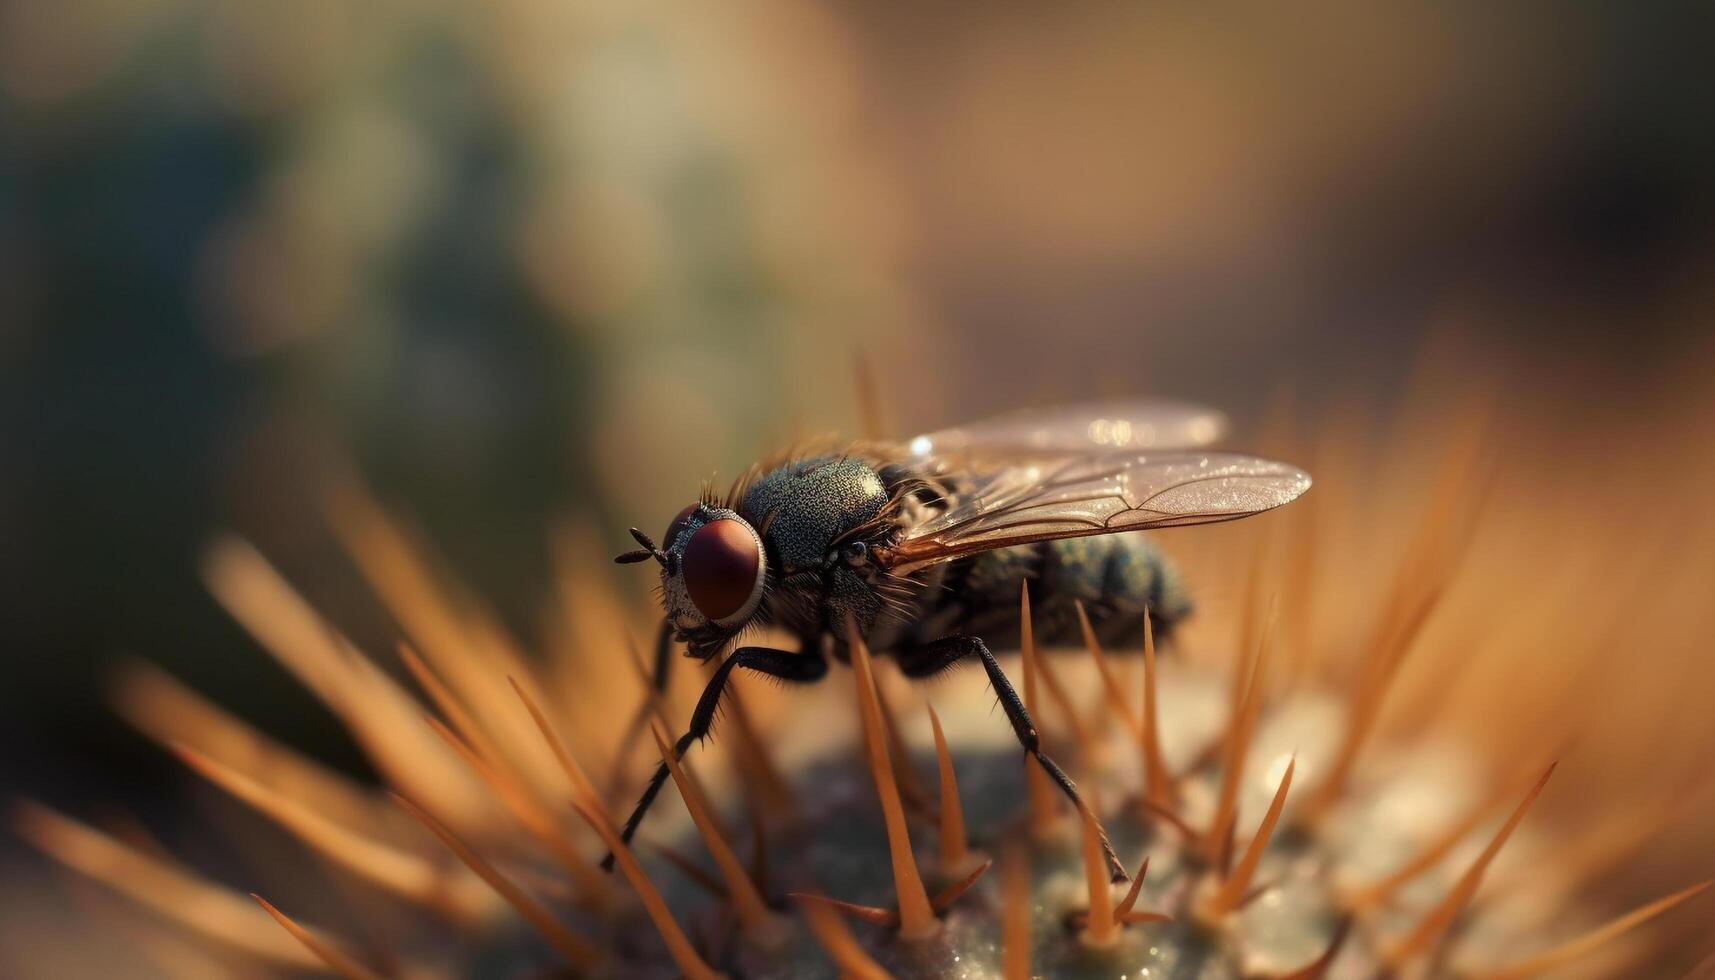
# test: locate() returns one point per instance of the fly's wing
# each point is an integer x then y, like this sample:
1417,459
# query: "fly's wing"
1100,493
1128,426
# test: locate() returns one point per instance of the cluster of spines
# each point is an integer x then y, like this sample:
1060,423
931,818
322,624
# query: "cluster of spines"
494,749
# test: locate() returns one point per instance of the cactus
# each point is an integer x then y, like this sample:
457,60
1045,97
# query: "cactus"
907,840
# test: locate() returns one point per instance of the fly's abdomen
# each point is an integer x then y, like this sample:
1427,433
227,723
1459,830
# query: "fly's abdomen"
1115,576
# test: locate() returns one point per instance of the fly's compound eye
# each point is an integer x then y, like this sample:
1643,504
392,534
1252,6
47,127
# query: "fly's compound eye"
678,526
723,570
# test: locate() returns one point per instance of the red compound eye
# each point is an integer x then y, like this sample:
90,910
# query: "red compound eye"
679,522
723,568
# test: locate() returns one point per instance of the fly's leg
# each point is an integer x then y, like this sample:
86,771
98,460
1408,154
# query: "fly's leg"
798,668
640,717
663,656
929,659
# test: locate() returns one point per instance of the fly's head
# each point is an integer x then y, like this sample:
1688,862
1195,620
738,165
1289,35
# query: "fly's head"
713,575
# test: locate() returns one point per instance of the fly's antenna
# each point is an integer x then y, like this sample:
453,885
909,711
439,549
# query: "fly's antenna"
647,551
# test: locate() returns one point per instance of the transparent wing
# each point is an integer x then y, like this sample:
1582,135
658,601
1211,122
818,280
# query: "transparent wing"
1131,425
1099,493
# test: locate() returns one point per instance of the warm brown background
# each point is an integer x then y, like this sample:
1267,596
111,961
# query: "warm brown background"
531,258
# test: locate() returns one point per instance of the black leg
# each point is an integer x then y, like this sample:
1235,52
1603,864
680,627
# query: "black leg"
639,718
663,656
936,656
799,668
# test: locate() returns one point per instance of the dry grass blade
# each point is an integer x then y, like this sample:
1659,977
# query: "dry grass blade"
468,650
1250,617
1369,896
752,754
837,940
1420,581
170,713
399,871
1100,928
873,914
1126,904
1140,918
1110,684
945,898
1575,949
1370,693
1435,923
1704,970
1298,612
588,805
1237,885
581,785
955,855
1089,746
378,713
449,705
171,952
336,961
534,817
1317,967
1218,841
1172,818
206,909
652,704
577,950
1157,785
916,917
747,902
678,945
702,879
900,756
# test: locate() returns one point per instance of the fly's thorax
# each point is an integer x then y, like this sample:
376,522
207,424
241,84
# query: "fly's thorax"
808,510
805,506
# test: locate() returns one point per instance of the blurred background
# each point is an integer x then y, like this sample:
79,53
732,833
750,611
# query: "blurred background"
526,261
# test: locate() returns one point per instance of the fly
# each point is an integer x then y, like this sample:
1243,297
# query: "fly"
922,546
